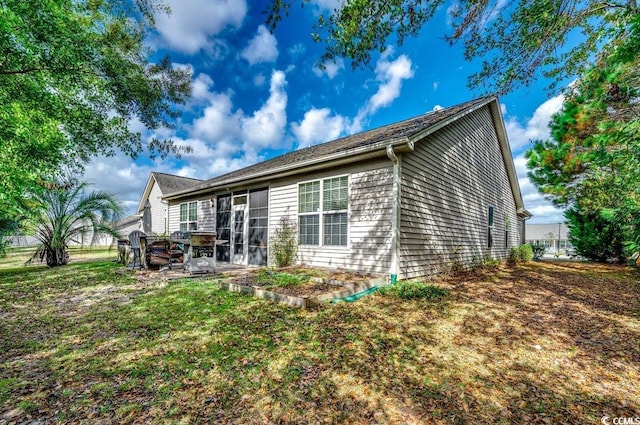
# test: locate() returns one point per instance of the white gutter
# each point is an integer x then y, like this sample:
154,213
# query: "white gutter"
313,164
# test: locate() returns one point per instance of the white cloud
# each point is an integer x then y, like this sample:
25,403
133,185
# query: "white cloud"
331,68
121,177
136,126
328,5
537,128
318,126
455,11
390,74
437,108
259,80
220,165
211,158
493,12
191,24
266,126
224,138
452,10
263,47
201,87
543,211
297,50
219,122
435,85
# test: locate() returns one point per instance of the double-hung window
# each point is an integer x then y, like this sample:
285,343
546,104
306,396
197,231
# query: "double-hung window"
490,227
323,205
308,210
335,198
189,216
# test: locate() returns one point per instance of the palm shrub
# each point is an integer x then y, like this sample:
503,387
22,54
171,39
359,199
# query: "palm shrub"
67,213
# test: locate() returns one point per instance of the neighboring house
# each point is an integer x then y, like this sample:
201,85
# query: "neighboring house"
128,225
159,185
408,199
555,237
22,240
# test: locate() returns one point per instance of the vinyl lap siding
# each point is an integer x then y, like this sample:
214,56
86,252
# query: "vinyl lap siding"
158,211
174,216
206,217
521,231
447,185
369,242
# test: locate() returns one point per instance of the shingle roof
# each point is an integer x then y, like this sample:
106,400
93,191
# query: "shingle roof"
127,220
169,183
393,132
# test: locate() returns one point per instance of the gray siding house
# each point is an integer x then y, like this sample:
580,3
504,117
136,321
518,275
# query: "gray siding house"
159,185
555,237
407,199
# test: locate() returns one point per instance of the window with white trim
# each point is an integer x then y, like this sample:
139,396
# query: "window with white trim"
323,204
189,216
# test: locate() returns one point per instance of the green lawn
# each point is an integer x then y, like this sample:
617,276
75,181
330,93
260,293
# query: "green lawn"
544,342
17,257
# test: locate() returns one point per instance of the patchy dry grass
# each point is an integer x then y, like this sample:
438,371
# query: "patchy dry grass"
544,342
16,257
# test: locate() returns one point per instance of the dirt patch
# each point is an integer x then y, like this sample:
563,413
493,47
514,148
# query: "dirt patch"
163,276
300,281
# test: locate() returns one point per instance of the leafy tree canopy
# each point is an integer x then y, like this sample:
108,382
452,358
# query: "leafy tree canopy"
514,39
592,162
73,75
593,158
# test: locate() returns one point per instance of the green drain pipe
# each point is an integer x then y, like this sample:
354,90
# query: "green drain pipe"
358,295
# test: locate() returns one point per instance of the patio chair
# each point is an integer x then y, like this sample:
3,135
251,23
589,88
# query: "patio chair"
134,239
176,235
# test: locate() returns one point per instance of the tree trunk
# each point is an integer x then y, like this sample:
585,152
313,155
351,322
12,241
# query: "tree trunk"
57,257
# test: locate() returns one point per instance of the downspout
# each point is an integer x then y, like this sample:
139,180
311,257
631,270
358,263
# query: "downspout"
166,216
395,215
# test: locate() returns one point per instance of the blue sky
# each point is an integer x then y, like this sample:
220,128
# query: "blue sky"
257,95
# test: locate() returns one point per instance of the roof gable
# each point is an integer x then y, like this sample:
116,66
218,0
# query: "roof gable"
167,183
